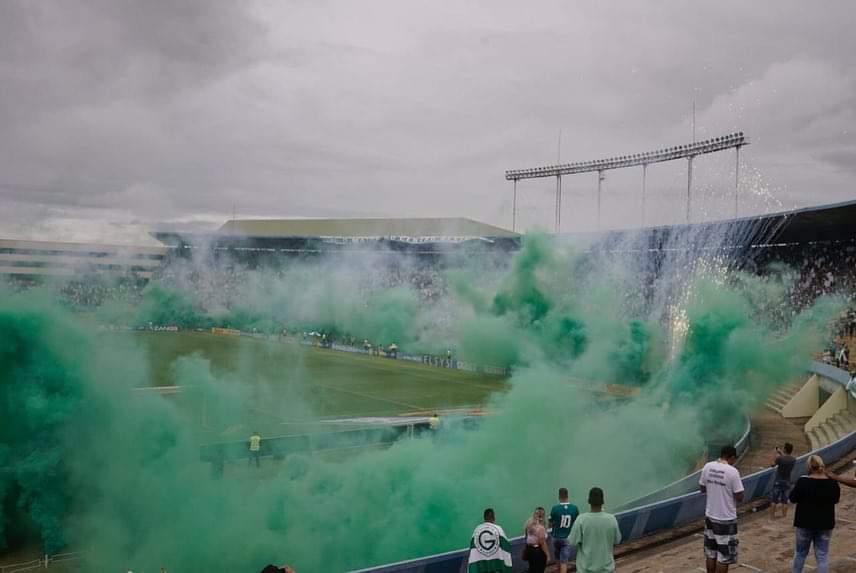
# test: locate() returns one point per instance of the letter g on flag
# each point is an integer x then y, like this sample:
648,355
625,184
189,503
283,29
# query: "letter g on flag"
487,541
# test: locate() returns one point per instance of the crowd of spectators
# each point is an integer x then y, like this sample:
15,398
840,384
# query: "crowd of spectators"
92,292
819,268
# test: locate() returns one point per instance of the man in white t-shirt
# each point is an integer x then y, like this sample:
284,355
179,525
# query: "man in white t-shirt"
720,481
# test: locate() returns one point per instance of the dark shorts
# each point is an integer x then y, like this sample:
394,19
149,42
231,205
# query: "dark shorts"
720,540
780,492
561,549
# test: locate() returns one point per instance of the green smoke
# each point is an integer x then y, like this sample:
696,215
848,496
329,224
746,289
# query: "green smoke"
89,462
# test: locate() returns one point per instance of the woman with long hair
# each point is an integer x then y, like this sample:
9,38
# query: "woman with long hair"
536,551
815,496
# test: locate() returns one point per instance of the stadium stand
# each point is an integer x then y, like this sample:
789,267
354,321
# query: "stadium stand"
51,259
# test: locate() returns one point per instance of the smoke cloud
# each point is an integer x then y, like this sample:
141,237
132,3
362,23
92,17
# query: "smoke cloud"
92,464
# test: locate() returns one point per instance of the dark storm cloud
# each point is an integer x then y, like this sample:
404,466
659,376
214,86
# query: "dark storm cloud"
153,111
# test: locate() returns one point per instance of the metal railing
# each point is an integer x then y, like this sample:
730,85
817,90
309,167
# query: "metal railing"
42,562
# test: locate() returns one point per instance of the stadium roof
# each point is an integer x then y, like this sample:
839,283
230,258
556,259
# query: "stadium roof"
374,228
823,223
834,222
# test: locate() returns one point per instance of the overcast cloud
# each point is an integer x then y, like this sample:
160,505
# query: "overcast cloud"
117,116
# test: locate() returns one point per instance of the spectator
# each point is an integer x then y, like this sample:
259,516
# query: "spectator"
784,464
720,482
815,495
489,547
255,446
434,421
594,534
850,388
841,358
536,552
562,518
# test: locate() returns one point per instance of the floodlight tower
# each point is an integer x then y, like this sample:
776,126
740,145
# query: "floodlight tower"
688,152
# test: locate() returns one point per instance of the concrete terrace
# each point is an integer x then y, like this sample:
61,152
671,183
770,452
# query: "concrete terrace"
766,546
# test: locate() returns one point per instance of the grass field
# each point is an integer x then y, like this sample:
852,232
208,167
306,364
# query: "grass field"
288,387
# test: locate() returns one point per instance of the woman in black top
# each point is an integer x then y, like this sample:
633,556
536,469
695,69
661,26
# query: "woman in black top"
814,519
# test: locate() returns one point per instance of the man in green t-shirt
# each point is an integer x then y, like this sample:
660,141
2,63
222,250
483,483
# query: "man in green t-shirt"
594,534
562,518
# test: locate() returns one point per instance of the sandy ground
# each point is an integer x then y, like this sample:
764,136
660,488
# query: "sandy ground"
765,545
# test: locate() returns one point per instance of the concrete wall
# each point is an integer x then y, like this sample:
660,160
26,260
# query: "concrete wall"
837,402
805,402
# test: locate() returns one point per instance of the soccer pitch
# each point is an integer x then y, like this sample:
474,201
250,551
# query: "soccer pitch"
289,388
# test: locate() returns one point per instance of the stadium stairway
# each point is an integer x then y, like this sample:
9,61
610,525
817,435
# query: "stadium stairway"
833,429
770,430
782,396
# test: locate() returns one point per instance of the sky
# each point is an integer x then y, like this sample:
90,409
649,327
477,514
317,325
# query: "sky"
120,117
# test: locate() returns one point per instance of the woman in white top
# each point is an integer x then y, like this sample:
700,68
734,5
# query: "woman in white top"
536,552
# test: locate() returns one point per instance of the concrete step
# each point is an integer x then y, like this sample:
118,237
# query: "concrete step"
848,420
826,434
787,393
776,404
813,440
835,426
780,397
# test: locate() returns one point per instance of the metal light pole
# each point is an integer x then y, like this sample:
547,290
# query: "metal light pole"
558,203
644,177
514,208
689,183
599,181
736,178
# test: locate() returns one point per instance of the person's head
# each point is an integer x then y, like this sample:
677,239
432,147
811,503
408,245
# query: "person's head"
536,519
489,515
595,497
816,465
563,494
728,454
277,569
789,448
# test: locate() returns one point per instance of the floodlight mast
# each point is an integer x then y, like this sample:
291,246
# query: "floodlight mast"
688,152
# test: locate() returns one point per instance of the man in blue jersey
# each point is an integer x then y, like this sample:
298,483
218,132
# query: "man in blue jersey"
562,518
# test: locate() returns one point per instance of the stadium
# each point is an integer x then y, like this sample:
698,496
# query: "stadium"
427,287
388,360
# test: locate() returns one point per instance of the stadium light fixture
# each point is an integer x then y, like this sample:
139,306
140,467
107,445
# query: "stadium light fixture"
711,145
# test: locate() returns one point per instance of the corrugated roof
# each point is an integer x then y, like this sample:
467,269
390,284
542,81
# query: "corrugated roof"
437,227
